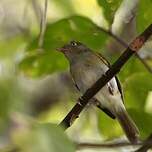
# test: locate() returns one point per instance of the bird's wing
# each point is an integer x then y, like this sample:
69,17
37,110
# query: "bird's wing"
75,84
97,103
105,110
120,88
117,80
102,59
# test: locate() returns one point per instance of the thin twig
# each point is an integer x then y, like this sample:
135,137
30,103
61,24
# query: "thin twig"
37,10
43,25
125,45
133,48
106,145
146,145
144,63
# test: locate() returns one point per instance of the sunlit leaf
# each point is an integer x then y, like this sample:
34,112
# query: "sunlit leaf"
14,44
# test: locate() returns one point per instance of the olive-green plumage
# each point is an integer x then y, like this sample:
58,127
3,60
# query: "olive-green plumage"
86,68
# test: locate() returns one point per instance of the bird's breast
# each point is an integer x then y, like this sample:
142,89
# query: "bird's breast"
86,74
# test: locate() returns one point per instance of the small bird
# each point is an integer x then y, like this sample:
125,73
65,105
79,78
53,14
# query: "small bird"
86,68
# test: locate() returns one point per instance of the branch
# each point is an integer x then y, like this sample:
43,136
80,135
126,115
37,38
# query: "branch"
125,45
106,145
43,24
37,10
133,48
146,145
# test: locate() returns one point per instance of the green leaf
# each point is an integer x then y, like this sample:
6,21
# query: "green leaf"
11,100
144,15
45,63
109,128
136,89
143,121
57,34
133,66
109,8
12,48
73,28
136,83
42,137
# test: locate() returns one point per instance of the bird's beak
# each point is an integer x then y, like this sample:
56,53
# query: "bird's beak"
62,49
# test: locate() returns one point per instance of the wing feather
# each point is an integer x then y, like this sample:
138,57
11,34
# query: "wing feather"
117,80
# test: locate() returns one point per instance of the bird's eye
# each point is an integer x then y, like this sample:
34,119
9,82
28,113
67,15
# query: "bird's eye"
73,43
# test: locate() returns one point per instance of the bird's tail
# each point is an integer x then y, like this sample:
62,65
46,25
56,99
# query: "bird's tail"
128,125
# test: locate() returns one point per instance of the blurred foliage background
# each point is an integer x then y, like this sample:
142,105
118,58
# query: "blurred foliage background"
36,90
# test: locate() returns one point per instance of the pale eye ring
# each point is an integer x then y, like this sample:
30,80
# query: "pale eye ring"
74,43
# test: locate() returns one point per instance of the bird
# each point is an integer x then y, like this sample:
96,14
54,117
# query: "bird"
86,67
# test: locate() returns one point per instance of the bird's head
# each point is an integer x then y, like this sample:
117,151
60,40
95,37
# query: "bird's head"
73,49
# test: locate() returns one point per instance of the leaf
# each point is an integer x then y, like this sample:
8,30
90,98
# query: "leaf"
136,83
12,48
57,34
40,64
144,15
143,120
109,8
42,137
133,66
77,28
11,100
136,89
109,128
